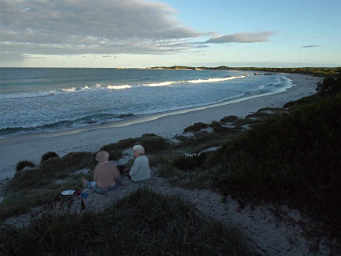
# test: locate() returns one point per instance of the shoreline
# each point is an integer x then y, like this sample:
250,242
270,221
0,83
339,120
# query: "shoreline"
31,147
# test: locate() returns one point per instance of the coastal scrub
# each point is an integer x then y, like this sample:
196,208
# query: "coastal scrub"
144,223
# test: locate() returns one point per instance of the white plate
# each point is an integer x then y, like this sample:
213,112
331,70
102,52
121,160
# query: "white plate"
68,192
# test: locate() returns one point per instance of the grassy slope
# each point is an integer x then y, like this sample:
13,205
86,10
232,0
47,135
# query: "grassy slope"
144,223
292,158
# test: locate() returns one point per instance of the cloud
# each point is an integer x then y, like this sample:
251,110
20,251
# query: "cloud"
87,26
8,57
311,46
241,38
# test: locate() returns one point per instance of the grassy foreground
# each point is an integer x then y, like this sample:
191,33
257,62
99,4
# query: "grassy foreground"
143,223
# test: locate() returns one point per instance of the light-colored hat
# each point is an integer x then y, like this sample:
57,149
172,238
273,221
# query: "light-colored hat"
138,149
102,156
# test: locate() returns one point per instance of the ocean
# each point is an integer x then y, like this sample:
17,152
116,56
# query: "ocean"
36,100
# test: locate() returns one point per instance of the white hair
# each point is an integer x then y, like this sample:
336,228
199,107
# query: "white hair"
138,149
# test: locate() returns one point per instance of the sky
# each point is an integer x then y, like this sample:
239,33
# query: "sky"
143,33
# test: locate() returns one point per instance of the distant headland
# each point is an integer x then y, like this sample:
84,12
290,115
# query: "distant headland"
317,71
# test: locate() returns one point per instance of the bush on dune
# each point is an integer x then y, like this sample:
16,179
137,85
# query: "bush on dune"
151,142
48,155
50,170
23,164
115,149
329,86
292,159
189,163
196,127
79,160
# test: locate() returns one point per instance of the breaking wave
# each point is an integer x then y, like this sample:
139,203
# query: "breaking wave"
99,86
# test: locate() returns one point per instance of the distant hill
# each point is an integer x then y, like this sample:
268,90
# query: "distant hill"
191,68
317,71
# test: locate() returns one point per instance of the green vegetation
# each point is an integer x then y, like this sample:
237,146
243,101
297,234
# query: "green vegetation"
196,127
48,155
287,156
151,142
143,223
38,185
192,68
289,159
329,86
23,164
280,156
317,71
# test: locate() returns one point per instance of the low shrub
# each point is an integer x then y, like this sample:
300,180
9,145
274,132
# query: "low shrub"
23,164
115,149
292,159
229,119
302,101
218,128
196,127
189,163
27,180
79,160
54,164
153,143
120,145
330,86
48,156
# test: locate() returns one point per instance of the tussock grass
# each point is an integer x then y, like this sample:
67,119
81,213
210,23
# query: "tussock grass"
144,223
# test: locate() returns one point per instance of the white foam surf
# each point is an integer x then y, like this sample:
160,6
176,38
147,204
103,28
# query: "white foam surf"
167,83
73,89
118,87
214,80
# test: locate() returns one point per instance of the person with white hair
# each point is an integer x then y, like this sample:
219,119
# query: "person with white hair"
140,169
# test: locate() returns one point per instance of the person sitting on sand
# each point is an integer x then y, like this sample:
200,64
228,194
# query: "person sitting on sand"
140,169
106,175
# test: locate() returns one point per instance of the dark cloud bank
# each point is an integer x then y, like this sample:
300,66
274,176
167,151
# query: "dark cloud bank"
101,26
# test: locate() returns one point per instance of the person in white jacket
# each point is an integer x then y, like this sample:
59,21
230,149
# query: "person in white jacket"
140,169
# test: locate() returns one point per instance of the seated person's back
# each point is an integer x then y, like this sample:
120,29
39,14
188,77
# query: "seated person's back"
106,174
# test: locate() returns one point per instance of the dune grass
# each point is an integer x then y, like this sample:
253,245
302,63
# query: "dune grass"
39,185
291,157
144,223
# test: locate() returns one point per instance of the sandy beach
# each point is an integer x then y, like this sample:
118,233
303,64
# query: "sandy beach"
31,147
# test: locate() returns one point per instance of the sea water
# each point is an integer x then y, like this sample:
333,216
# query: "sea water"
35,100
